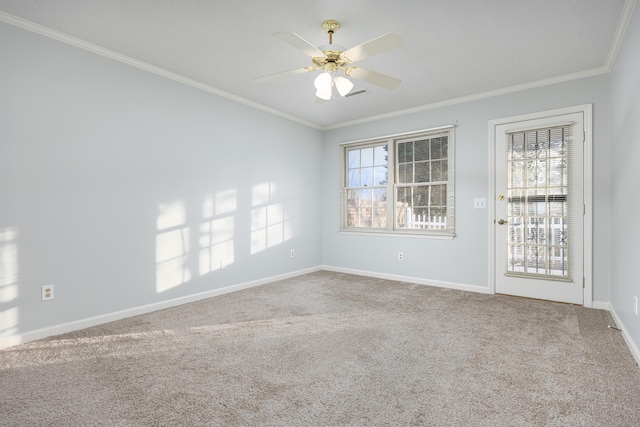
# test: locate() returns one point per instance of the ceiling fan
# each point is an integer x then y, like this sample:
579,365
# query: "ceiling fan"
335,60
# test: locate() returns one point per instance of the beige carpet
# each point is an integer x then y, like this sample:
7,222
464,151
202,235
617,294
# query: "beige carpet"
331,349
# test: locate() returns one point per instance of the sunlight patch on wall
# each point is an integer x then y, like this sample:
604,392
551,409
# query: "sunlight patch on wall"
217,233
291,219
172,246
270,225
260,194
171,215
225,202
8,280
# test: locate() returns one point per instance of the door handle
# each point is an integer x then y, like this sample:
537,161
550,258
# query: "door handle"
501,221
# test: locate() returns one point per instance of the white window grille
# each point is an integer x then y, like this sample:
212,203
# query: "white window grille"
402,184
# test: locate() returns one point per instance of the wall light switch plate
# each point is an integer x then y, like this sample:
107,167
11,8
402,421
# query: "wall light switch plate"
479,203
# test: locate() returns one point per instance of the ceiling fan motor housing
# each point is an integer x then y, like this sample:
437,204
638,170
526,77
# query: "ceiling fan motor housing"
332,61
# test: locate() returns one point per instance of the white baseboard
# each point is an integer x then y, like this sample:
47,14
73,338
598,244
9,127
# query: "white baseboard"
625,334
24,337
623,330
601,305
408,279
21,338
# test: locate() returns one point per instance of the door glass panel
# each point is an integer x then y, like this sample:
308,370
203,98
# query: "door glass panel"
538,203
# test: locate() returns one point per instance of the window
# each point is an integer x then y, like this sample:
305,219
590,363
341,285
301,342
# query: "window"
401,184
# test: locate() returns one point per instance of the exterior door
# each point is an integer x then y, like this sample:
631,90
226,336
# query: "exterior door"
539,208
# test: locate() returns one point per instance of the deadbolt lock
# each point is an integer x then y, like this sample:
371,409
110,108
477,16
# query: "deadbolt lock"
501,197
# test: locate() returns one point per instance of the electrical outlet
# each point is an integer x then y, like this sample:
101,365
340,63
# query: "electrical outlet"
47,292
400,256
293,253
635,305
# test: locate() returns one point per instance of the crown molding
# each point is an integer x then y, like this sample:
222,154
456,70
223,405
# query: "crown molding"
623,23
475,97
73,41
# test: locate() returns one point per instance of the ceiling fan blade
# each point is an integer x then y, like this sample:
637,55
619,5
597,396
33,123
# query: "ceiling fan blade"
373,47
382,80
320,100
299,43
283,73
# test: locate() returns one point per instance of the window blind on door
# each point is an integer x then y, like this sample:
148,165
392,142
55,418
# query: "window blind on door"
539,203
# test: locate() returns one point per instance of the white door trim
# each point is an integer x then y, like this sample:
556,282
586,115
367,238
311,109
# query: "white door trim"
587,110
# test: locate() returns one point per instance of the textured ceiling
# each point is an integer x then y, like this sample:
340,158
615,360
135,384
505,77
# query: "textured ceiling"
453,48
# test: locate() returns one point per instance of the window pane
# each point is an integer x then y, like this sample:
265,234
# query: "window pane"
438,214
380,175
421,196
379,219
366,157
516,175
436,171
402,155
516,147
380,156
438,195
367,177
404,196
352,217
380,194
405,152
421,150
354,159
352,195
414,218
558,173
365,217
354,178
405,173
436,148
366,197
558,209
422,172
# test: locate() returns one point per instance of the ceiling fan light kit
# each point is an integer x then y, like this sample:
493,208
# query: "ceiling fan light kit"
335,61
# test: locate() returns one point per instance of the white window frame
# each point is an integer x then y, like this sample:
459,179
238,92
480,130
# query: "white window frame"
391,142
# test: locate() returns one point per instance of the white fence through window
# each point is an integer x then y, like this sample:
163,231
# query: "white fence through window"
424,222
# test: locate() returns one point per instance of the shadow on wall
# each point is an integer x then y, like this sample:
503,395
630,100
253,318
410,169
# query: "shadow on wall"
185,249
8,281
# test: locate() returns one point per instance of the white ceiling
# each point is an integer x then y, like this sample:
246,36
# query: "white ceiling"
453,48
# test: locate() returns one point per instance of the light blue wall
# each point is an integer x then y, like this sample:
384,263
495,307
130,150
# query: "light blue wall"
464,260
625,178
91,150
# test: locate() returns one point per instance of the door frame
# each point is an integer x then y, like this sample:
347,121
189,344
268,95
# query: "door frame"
587,231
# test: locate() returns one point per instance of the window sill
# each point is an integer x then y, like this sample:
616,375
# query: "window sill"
401,234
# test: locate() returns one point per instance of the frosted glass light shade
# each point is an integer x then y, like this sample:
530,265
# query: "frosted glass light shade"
323,81
324,93
323,85
343,85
